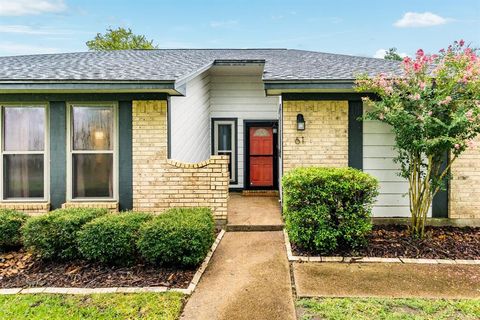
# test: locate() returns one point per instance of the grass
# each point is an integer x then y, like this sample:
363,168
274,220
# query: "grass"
391,309
100,306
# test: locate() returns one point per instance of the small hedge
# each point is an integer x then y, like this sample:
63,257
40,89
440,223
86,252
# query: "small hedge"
112,239
53,236
11,222
180,237
328,208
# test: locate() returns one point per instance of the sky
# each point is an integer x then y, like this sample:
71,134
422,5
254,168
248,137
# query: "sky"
364,28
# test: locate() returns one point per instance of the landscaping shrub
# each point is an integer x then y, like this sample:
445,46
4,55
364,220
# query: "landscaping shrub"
54,235
179,237
11,222
111,239
328,208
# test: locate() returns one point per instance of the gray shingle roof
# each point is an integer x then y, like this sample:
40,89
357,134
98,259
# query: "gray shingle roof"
175,64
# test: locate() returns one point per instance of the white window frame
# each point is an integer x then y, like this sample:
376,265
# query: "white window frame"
233,151
70,151
45,152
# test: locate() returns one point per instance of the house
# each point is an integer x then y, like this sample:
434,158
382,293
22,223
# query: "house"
150,129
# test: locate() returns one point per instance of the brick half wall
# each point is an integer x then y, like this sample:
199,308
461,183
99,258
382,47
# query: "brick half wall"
160,183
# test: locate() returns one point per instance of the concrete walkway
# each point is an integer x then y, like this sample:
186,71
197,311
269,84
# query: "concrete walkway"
248,278
253,213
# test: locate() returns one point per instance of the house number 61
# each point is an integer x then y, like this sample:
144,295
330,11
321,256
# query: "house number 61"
299,140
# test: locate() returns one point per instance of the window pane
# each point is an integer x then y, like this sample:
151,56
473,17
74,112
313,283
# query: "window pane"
92,128
92,175
224,137
24,129
23,176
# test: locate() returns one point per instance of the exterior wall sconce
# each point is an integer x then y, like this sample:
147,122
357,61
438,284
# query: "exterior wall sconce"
300,122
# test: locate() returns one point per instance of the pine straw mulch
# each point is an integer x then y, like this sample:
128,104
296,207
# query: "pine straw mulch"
22,269
393,241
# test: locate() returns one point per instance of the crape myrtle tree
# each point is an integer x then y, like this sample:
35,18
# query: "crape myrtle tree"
433,108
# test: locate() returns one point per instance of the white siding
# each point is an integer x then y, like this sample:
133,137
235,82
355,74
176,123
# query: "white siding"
378,154
190,121
242,97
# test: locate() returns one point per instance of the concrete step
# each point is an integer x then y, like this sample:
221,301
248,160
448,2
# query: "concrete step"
243,228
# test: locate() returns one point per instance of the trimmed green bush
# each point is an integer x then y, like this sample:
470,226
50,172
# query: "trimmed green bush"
54,235
180,237
11,222
328,208
111,239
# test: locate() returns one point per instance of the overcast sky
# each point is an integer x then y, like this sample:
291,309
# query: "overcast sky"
354,27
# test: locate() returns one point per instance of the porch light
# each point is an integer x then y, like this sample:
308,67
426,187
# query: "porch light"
300,122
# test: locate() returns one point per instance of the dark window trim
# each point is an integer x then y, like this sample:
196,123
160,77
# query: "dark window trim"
212,142
246,154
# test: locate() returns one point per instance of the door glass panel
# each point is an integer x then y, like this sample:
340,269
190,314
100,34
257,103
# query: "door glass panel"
92,128
24,129
261,132
24,176
92,175
224,137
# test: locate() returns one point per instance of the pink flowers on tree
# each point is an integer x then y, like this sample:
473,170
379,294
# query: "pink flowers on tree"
433,106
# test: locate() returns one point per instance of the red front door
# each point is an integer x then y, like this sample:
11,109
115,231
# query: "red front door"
261,156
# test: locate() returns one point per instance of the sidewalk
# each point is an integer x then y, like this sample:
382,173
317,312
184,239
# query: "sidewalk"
387,280
248,278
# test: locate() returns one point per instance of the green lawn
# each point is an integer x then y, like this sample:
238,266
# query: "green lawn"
391,309
101,306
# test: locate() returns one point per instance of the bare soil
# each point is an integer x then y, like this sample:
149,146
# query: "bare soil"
394,241
22,269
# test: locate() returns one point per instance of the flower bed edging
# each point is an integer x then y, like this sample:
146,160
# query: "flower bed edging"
293,258
58,290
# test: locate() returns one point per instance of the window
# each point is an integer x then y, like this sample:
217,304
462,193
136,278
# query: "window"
92,146
24,145
224,143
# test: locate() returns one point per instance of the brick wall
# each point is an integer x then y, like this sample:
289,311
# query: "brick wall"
465,185
158,183
325,139
30,208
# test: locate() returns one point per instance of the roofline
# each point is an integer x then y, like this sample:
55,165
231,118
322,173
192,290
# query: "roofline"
277,87
80,86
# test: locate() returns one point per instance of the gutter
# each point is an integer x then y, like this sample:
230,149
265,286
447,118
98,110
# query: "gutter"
76,86
277,87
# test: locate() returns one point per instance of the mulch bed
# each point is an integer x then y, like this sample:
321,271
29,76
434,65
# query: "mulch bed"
21,269
393,241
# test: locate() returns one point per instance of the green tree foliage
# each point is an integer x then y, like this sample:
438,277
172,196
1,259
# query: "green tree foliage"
434,110
119,39
392,54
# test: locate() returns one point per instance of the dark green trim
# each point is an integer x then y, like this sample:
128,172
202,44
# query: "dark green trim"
355,134
323,96
342,85
440,201
32,97
247,124
58,153
235,132
94,86
125,175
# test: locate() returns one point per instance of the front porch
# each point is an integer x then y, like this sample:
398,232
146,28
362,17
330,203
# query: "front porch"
251,212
